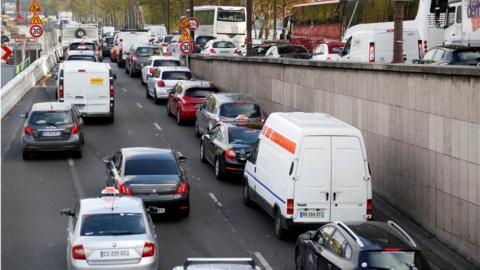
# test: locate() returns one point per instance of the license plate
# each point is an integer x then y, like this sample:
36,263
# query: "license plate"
96,81
51,133
115,253
311,214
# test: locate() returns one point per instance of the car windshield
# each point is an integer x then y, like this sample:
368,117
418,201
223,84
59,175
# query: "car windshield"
203,40
239,135
223,45
109,40
291,49
232,110
467,56
82,46
147,51
230,15
112,224
398,260
50,118
166,63
200,92
162,165
167,39
81,58
176,75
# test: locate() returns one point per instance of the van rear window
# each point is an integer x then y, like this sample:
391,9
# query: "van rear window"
232,110
200,92
166,63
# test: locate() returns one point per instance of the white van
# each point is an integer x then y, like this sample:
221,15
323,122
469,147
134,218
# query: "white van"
89,86
376,45
308,169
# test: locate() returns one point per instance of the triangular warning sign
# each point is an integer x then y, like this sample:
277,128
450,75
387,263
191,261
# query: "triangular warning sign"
35,7
185,36
184,23
36,19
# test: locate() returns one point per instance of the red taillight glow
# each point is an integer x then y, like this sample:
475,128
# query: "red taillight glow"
212,85
27,131
425,45
78,253
124,189
152,69
371,52
182,188
369,207
112,89
148,249
135,58
75,129
60,89
290,203
213,51
161,83
229,153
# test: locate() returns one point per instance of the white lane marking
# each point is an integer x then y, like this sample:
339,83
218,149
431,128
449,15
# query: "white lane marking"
124,90
263,261
139,105
76,179
157,126
71,162
129,132
215,200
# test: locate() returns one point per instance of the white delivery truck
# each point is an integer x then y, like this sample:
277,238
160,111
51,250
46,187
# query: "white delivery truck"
375,45
308,169
88,85
463,23
125,40
73,31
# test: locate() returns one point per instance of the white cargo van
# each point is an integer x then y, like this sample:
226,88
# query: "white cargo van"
89,86
308,169
376,45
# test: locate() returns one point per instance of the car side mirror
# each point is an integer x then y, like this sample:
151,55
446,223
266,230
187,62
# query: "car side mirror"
67,212
182,159
107,159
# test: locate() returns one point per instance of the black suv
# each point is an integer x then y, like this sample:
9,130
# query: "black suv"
363,245
138,56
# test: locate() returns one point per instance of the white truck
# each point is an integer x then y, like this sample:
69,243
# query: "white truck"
125,40
463,23
74,31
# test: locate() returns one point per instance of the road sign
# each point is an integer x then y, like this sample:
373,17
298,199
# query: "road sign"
36,30
186,47
36,19
193,23
184,24
185,36
6,52
35,7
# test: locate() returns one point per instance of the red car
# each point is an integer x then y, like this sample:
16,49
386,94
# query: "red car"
114,51
186,97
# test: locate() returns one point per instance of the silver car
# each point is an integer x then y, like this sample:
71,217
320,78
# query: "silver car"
218,264
111,232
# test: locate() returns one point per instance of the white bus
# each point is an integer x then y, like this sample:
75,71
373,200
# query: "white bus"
222,22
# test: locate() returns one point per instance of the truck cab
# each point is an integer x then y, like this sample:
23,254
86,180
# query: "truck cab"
463,23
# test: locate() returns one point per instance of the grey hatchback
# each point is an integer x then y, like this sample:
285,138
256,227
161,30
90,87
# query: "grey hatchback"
53,126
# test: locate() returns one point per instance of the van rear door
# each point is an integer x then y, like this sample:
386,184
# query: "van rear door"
74,88
97,93
349,188
312,188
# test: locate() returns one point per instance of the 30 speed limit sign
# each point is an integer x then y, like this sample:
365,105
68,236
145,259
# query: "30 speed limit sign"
36,30
186,47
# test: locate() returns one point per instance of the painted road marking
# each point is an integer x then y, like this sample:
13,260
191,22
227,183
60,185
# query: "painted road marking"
139,105
76,180
124,90
215,200
263,261
157,126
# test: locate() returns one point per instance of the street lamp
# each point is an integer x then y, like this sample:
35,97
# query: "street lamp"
399,6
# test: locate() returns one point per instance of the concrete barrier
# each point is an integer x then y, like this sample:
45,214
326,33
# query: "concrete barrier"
421,125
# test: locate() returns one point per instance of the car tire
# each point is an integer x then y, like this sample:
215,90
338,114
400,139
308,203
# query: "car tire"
219,170
83,139
146,92
26,155
298,261
111,119
246,194
155,99
202,153
197,132
179,118
280,232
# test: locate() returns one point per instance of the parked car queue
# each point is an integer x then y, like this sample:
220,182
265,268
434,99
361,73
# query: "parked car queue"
292,165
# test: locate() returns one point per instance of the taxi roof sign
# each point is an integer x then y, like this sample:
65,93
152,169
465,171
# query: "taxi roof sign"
110,191
35,7
36,19
185,36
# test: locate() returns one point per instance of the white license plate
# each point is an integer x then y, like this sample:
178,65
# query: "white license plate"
51,133
115,253
311,214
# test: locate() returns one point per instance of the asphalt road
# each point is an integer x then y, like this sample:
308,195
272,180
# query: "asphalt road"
34,234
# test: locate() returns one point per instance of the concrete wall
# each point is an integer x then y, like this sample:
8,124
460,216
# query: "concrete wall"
421,126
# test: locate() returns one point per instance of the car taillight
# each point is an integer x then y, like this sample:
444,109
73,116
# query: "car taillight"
371,52
425,45
392,250
182,188
369,207
212,85
161,83
229,153
27,131
75,129
60,90
78,253
290,206
134,58
152,69
112,89
213,51
148,249
123,189
420,49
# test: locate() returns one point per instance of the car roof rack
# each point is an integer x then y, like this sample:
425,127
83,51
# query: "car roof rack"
402,232
349,231
196,261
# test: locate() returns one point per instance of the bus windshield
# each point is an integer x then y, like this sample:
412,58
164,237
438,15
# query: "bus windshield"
225,15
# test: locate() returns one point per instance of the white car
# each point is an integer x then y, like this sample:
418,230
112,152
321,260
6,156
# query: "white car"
327,51
164,79
158,61
110,232
216,47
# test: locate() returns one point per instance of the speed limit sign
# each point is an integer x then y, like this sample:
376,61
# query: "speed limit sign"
186,47
36,30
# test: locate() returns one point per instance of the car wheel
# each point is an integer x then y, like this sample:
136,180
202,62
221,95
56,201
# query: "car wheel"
26,155
298,261
219,170
83,139
155,99
202,153
246,194
197,132
280,232
179,118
